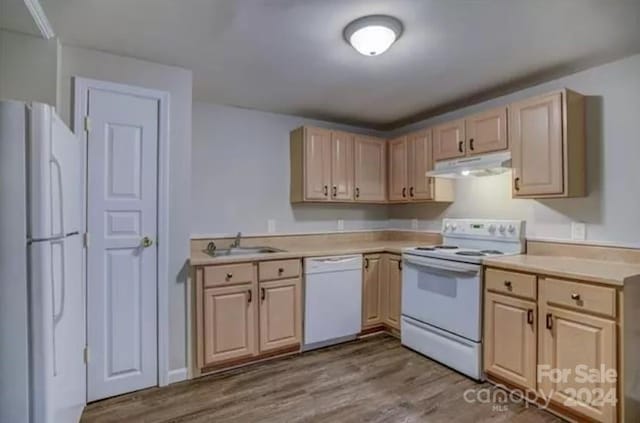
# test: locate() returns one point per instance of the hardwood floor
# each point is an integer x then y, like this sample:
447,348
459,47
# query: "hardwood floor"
371,380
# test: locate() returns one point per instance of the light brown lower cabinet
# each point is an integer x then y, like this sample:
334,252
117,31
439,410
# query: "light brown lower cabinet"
280,314
381,290
229,323
567,346
510,339
242,318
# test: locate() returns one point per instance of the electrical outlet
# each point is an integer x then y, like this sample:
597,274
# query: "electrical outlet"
341,224
578,231
271,226
414,224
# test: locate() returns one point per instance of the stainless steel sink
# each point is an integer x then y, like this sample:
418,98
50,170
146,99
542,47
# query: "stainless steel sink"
237,251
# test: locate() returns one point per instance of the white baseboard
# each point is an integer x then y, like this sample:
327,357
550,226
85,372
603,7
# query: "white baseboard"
177,375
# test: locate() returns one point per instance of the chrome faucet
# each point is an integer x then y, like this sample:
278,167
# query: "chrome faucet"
236,242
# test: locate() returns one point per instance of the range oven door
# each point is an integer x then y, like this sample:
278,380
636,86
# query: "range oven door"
444,294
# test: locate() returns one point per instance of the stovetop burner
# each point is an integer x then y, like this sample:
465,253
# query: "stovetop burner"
495,252
471,253
446,247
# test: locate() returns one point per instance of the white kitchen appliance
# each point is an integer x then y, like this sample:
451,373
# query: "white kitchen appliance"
42,322
442,290
332,300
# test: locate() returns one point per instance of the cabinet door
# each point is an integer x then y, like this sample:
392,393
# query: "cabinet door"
398,169
229,328
578,343
420,161
317,164
510,339
393,293
487,131
280,318
449,140
372,290
370,169
535,131
341,166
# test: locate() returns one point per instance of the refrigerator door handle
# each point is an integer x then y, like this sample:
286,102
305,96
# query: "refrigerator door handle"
60,195
57,315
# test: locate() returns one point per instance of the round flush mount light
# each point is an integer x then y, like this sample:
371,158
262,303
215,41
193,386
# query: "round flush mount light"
373,35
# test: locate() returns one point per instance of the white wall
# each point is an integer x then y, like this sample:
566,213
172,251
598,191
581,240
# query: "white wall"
28,68
612,208
240,177
178,82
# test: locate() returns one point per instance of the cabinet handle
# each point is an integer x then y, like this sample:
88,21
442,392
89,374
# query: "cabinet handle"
357,192
471,144
229,276
530,316
366,263
400,265
404,192
460,145
575,296
335,190
262,294
411,191
516,183
280,270
549,321
326,190
250,297
508,285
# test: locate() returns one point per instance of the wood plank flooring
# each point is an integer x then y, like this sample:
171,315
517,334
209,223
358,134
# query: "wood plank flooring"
370,380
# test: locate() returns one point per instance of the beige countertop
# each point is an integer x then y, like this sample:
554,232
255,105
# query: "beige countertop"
200,258
583,269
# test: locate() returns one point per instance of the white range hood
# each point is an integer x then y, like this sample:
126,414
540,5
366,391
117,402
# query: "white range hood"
483,165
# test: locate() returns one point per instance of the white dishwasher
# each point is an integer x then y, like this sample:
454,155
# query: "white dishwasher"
332,300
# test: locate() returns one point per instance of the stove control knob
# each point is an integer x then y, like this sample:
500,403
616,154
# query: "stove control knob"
502,229
447,227
511,229
454,227
492,228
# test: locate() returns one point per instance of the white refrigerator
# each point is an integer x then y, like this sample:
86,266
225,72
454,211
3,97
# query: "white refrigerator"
42,313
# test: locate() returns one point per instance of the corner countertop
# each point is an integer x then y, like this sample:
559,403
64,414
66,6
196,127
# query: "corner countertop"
588,270
200,258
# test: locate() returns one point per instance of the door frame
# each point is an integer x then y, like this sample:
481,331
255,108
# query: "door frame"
81,87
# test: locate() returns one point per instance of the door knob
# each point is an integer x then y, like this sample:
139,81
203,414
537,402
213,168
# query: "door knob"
147,242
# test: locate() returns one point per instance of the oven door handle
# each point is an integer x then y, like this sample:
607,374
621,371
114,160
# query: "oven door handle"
441,265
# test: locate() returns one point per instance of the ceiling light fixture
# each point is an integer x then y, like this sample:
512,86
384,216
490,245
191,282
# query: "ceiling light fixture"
373,35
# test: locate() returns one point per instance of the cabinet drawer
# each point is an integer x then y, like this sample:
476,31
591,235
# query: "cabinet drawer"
230,274
580,296
278,269
511,283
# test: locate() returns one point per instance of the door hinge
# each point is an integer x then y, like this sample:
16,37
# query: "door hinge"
86,355
87,123
86,239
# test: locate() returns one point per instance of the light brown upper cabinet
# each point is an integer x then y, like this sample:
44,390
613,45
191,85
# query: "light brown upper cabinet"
487,132
341,166
310,150
420,161
398,169
410,157
449,140
370,169
548,146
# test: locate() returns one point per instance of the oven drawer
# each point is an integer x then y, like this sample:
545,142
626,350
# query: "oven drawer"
580,296
511,283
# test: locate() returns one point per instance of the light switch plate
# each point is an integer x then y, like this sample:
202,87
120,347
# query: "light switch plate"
578,231
414,224
271,226
341,224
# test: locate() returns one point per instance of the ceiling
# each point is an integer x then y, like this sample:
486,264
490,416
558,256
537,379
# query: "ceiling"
288,56
15,16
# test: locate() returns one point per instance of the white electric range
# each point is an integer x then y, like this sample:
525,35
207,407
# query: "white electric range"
442,290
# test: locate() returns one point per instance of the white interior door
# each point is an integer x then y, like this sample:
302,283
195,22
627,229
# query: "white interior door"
122,272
